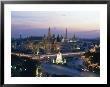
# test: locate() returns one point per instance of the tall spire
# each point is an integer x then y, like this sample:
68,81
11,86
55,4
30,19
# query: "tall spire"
66,34
49,41
20,37
74,36
49,33
49,28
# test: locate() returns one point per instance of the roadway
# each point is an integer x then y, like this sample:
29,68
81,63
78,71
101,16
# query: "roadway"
63,54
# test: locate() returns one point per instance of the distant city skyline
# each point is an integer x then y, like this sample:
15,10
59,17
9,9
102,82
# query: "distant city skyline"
84,24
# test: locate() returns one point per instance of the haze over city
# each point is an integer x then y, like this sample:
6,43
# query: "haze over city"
36,23
55,44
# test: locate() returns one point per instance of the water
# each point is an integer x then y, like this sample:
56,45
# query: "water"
71,68
23,67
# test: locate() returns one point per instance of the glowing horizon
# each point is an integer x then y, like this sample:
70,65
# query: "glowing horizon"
75,21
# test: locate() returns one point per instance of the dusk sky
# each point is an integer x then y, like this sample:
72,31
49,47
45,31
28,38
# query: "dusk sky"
84,24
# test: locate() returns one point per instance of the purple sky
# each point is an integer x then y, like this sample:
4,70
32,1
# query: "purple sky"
36,23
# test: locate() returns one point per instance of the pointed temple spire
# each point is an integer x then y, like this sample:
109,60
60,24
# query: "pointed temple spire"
66,34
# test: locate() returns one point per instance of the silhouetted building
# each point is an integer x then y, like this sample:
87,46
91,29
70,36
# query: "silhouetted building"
51,43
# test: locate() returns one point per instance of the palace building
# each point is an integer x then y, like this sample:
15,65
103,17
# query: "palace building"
50,43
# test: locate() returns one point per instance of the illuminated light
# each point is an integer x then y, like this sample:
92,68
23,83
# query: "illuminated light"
59,58
15,67
20,69
25,69
77,48
64,60
40,74
93,49
70,41
53,61
82,57
58,48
